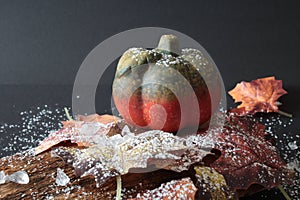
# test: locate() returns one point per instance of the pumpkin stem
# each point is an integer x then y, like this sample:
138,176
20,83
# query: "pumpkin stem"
169,43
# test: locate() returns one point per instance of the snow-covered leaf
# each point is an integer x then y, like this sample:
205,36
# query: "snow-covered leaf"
118,154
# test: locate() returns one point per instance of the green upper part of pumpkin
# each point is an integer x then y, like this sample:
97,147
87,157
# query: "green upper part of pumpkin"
162,68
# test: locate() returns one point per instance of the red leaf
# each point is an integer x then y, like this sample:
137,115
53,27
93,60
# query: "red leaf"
247,158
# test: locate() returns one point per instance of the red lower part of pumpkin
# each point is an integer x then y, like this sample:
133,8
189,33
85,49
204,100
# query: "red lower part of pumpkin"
164,115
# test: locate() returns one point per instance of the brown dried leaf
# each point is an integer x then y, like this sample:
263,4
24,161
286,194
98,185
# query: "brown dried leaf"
259,95
77,132
176,190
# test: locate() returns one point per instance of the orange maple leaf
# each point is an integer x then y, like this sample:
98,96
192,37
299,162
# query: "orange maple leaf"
259,95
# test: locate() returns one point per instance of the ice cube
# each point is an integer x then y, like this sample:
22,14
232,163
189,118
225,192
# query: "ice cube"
20,177
62,179
295,164
293,145
2,177
125,131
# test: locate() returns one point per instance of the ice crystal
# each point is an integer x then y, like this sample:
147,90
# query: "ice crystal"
62,179
2,177
20,177
293,145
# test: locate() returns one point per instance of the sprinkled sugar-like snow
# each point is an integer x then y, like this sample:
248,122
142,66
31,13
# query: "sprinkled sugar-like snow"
288,144
35,125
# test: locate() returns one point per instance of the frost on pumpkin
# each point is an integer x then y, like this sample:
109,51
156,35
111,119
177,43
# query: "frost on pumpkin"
116,155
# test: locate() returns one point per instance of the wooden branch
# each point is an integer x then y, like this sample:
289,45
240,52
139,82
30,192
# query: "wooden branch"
42,173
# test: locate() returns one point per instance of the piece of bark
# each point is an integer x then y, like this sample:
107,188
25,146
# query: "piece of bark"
42,173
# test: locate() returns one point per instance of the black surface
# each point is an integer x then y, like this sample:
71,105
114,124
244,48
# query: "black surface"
42,44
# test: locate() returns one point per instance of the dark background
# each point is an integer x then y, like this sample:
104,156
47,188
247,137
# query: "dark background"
43,43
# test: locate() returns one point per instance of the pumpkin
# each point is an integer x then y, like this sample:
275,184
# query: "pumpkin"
151,86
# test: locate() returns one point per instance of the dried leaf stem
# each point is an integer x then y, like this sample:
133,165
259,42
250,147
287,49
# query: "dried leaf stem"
68,114
119,187
286,196
285,114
